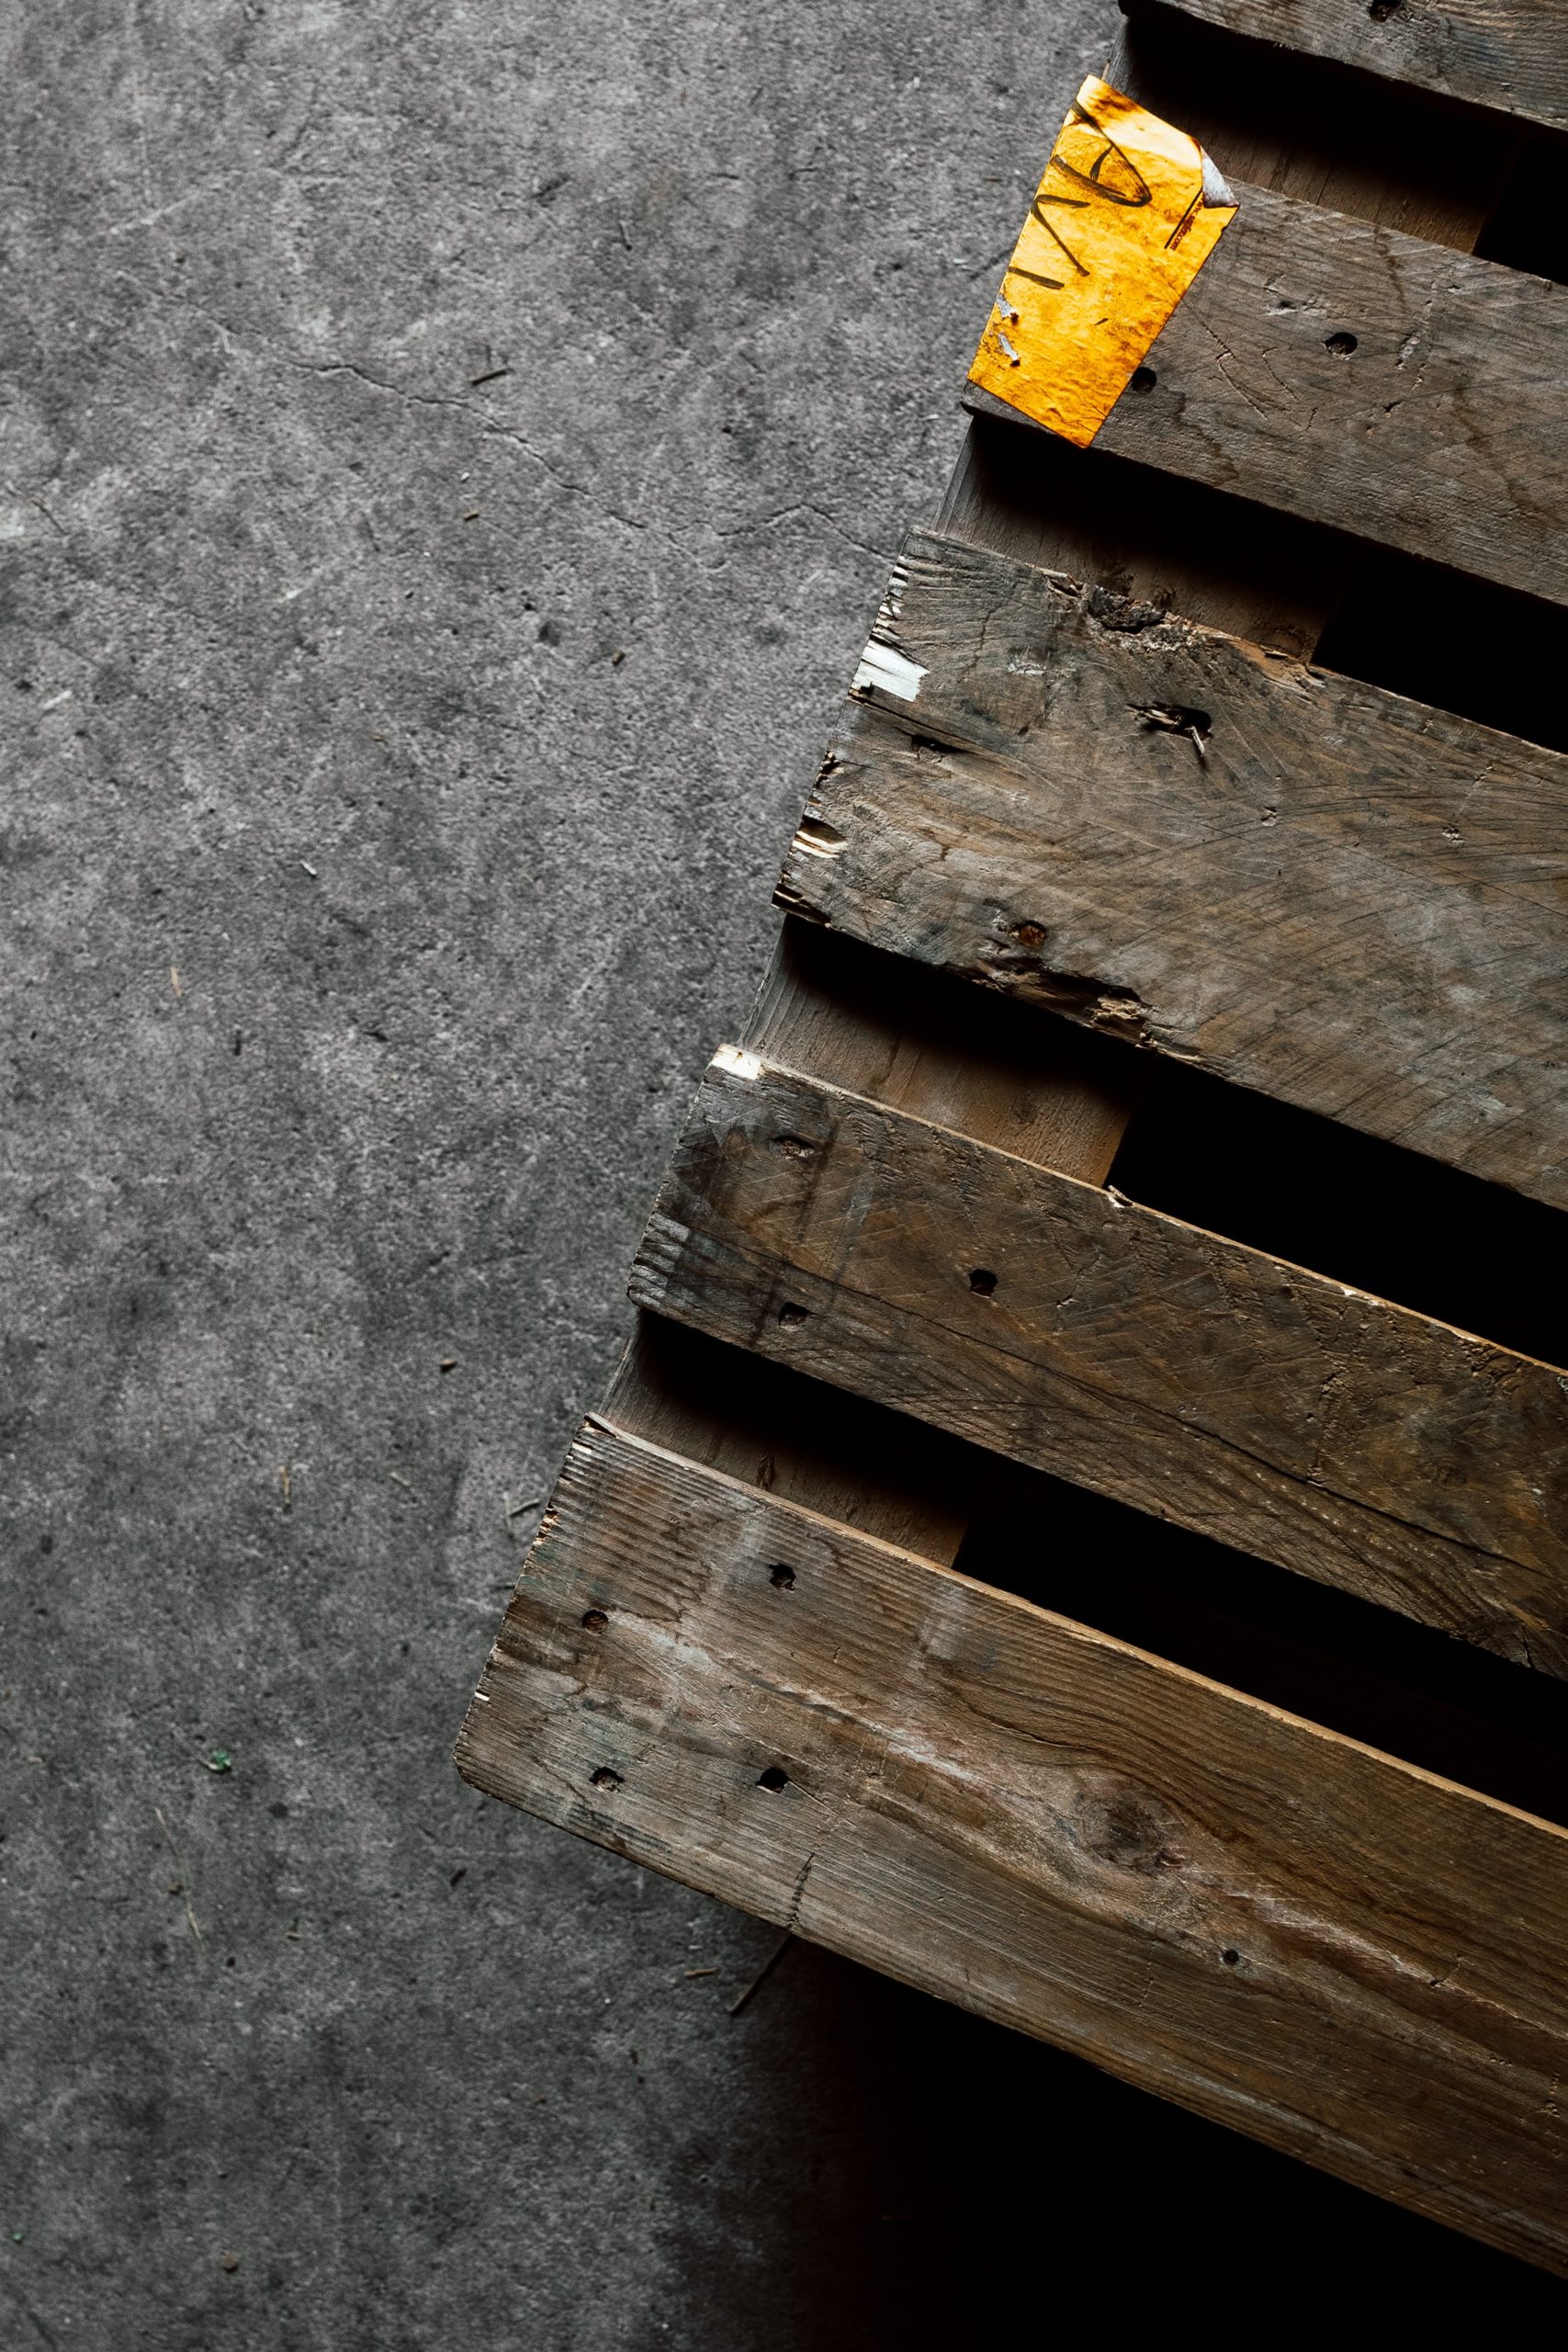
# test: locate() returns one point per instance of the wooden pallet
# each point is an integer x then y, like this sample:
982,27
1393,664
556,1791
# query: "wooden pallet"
1097,1339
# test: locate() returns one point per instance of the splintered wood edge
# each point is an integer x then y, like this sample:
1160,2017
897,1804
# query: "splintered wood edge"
1335,1951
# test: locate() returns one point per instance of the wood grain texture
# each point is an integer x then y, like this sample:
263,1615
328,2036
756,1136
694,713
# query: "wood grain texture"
729,1409
1150,537
1441,433
1316,888
1301,125
1333,1952
1061,1325
907,1036
1510,55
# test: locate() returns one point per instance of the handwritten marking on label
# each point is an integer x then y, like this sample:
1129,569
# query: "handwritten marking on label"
1128,211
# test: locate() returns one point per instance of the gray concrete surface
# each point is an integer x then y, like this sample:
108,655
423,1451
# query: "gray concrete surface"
450,456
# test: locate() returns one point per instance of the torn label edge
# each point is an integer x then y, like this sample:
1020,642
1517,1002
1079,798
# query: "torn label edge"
1215,189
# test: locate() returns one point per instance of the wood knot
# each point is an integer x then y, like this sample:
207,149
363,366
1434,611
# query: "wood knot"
1127,1831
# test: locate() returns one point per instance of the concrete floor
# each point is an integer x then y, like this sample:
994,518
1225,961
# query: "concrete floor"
451,455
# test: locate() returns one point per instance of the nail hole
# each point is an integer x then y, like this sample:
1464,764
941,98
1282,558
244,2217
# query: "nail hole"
1143,379
1030,935
1341,345
774,1778
781,1578
793,1146
1230,1956
594,1619
604,1779
791,1317
982,1280
1381,10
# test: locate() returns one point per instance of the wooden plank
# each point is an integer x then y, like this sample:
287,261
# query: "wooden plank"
1047,1319
1344,1957
1404,156
1312,888
1510,55
1355,377
1270,578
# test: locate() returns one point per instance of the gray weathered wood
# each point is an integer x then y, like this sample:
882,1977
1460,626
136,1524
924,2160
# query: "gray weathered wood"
1441,433
1331,1950
1280,121
1316,888
1049,1320
1511,55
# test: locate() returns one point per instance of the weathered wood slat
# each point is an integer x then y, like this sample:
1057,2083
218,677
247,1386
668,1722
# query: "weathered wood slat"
1331,1950
1051,1321
1306,885
1440,432
1511,55
1285,120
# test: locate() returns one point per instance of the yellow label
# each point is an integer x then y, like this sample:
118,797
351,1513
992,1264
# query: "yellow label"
1128,212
